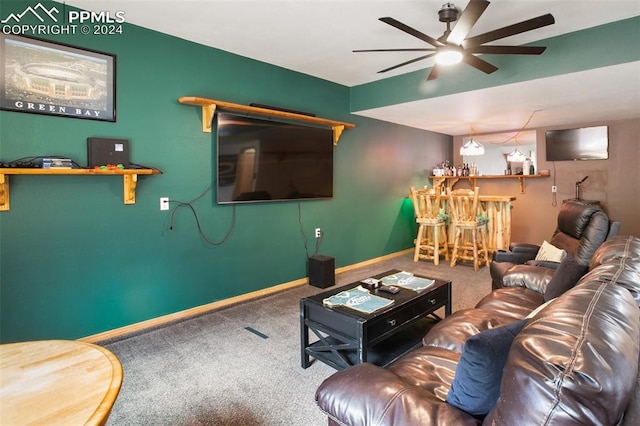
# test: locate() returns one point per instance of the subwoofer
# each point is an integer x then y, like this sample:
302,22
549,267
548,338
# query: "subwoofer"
322,271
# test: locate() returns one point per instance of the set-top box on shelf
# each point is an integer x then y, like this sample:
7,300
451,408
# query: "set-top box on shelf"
57,163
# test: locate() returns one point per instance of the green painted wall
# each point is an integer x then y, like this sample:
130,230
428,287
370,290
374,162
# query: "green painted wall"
75,261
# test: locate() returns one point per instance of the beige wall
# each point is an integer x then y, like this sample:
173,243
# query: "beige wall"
614,182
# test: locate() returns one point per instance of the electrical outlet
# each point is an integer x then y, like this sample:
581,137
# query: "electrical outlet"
554,189
164,203
318,232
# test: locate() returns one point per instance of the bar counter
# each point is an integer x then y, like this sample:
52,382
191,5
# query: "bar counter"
450,181
498,209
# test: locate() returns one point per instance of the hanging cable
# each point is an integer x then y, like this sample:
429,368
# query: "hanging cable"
304,236
518,131
554,194
201,232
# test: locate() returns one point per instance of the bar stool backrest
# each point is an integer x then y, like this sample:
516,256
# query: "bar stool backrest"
426,205
463,205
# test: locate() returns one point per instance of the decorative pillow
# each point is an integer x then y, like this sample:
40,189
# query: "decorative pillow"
566,275
476,385
550,253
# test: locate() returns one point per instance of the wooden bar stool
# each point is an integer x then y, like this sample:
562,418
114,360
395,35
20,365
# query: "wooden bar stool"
470,229
432,234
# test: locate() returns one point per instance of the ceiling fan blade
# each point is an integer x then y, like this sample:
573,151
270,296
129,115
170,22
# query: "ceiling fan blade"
406,63
425,49
467,20
434,72
407,29
521,27
508,50
478,63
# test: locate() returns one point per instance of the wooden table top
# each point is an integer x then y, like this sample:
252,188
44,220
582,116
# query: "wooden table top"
57,382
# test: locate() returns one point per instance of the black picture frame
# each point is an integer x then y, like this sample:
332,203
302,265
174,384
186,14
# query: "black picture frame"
43,77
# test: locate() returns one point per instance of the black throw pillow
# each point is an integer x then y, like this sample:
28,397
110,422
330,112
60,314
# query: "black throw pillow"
566,275
476,385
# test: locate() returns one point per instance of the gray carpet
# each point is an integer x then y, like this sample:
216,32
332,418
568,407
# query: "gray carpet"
211,370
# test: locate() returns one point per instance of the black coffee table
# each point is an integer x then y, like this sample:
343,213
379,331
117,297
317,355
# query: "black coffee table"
348,337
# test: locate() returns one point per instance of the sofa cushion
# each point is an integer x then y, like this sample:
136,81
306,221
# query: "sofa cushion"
575,362
454,331
476,385
514,302
429,368
366,394
565,277
530,276
615,249
617,261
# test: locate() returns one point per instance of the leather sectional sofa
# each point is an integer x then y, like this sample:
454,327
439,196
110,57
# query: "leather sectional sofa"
570,361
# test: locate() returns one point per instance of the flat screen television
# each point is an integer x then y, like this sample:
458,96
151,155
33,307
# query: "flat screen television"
260,160
587,143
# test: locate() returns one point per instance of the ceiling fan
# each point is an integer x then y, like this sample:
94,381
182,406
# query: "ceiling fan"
454,45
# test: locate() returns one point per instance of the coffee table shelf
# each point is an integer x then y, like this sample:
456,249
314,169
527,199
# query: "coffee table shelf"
348,337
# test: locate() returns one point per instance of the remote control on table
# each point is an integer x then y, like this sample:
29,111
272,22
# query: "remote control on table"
389,289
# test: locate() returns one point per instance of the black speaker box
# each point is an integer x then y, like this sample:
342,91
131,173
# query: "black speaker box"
322,271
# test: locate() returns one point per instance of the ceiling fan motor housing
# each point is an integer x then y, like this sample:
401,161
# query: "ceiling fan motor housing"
448,13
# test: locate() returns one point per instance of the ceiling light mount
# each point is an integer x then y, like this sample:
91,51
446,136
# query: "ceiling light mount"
448,13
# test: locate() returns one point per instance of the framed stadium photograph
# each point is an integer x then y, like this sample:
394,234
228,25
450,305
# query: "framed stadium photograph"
43,77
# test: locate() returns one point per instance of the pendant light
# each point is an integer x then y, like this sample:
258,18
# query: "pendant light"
472,148
516,156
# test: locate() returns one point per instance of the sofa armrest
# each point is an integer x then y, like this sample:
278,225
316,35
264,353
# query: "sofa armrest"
369,395
544,263
532,277
524,248
518,253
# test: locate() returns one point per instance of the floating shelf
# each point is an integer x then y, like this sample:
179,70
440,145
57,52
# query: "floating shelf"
209,108
452,180
129,178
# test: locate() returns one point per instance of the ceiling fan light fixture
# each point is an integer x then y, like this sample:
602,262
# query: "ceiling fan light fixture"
472,148
448,56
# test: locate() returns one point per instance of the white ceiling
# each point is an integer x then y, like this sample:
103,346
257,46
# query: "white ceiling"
316,37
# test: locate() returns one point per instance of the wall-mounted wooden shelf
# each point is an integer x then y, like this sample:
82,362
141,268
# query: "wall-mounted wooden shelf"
452,180
209,107
129,177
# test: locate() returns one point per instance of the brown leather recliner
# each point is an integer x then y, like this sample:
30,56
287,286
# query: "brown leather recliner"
581,229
